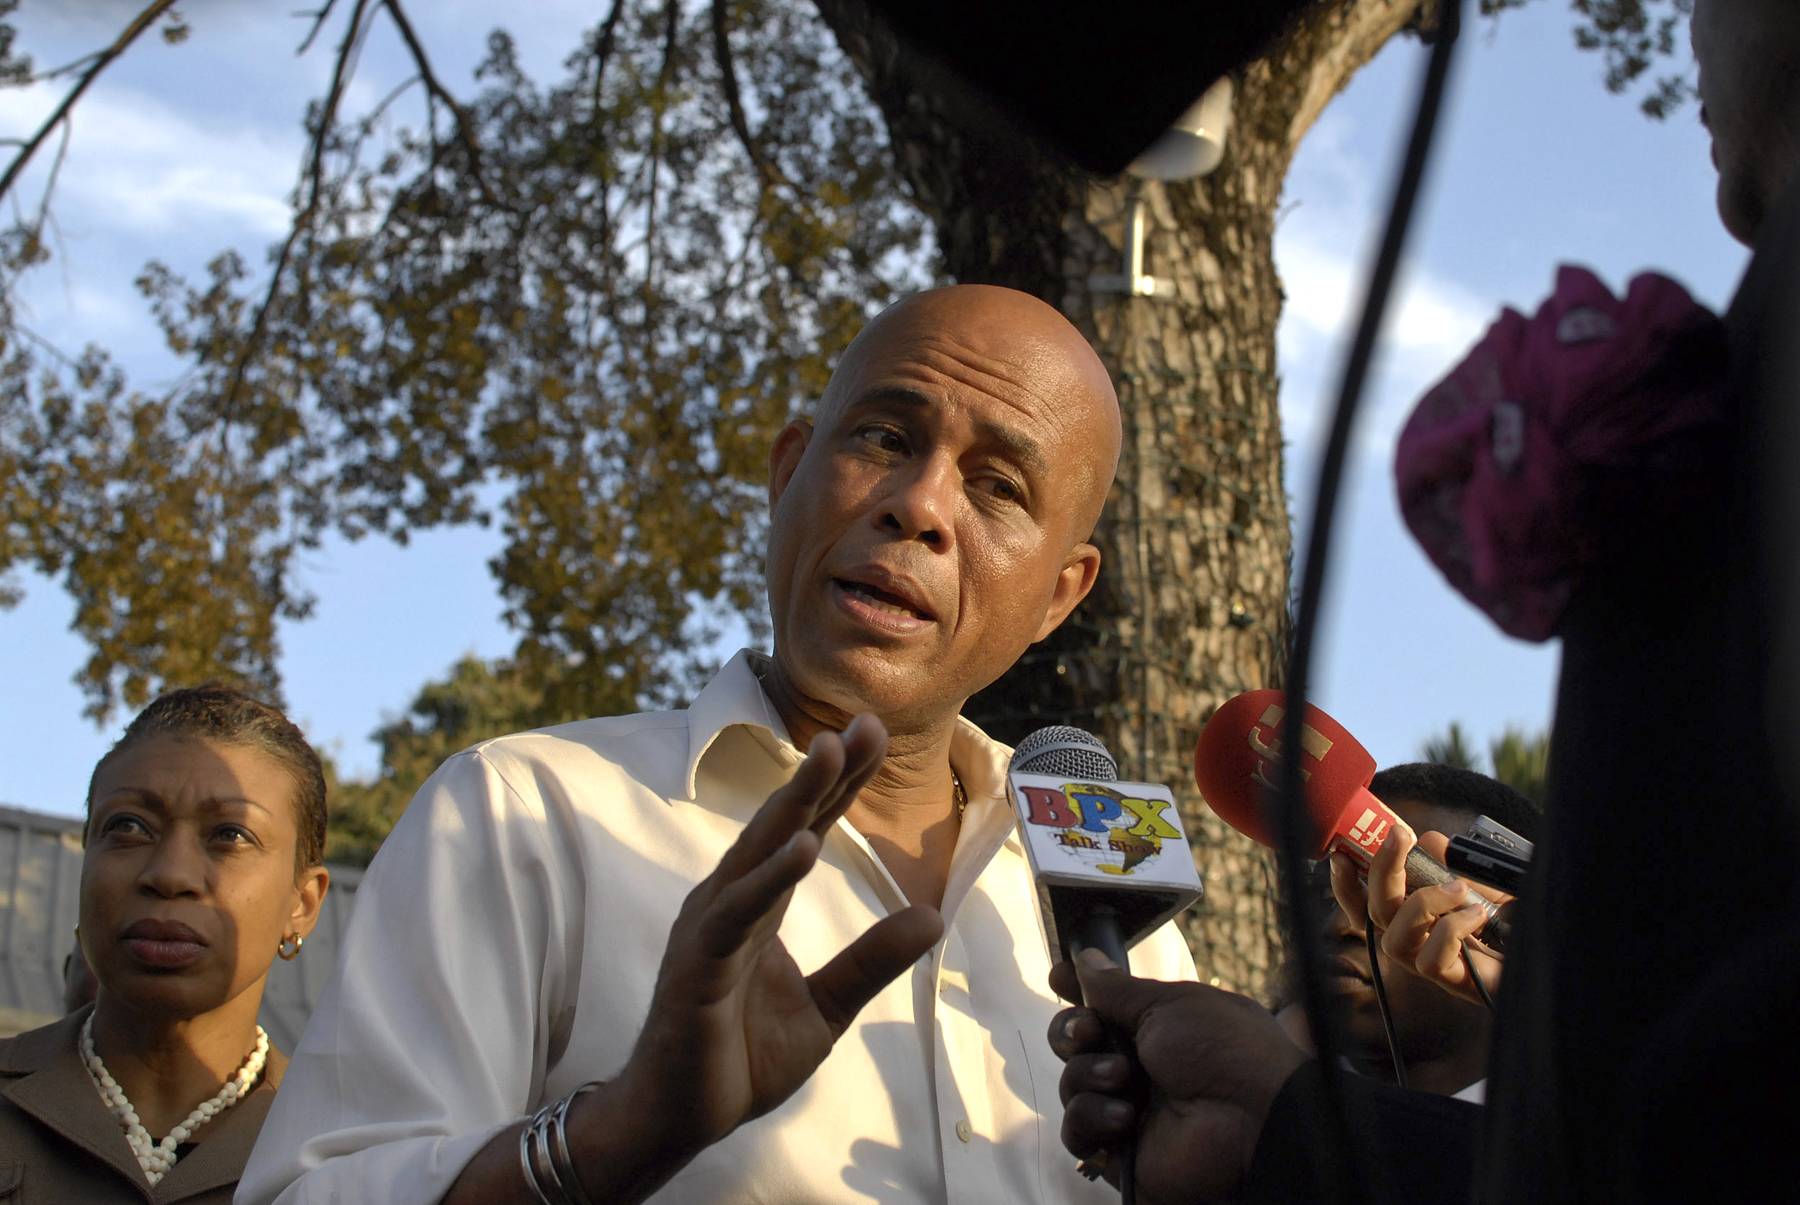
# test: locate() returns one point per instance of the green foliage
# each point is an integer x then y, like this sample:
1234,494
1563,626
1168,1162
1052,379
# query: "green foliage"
1452,749
1632,36
477,701
15,68
578,311
1519,759
1522,761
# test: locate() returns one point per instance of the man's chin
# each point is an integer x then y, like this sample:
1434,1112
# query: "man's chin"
856,678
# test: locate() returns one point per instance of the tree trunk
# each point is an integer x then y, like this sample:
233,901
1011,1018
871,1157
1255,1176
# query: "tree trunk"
1191,607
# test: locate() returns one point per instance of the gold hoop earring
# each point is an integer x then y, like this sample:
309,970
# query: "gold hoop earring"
289,949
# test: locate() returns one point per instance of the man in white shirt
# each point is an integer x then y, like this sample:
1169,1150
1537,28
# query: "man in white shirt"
613,900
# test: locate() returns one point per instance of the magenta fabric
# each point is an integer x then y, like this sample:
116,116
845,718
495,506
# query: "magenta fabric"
1512,470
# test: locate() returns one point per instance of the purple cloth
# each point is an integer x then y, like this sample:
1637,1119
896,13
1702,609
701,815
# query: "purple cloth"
1513,469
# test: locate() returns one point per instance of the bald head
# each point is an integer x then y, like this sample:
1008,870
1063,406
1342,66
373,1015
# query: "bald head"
1006,343
932,521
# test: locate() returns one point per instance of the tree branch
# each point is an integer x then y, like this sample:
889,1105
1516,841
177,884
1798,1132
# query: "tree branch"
314,182
603,48
1330,47
664,77
319,16
465,134
102,59
734,101
69,68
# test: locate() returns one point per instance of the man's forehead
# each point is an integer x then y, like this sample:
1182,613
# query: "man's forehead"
978,340
1025,372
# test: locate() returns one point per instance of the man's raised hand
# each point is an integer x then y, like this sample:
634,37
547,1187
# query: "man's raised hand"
734,1027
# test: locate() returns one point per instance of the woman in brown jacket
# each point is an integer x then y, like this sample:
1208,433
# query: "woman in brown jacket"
204,842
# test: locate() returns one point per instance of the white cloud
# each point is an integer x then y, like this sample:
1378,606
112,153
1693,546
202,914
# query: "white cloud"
138,166
1432,323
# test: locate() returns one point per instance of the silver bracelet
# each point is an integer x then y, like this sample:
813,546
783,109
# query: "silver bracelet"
528,1160
560,1160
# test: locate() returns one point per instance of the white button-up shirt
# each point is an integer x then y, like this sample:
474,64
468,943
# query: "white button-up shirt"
506,941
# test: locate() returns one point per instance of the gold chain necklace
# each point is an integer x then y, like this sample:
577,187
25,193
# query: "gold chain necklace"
962,796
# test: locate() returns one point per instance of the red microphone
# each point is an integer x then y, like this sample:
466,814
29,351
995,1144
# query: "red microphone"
1235,768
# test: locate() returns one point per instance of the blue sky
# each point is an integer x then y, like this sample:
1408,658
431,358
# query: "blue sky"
182,151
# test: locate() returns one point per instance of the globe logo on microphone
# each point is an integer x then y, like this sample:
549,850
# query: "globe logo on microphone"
1098,826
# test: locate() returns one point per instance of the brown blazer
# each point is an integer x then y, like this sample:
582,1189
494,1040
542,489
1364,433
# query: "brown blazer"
59,1145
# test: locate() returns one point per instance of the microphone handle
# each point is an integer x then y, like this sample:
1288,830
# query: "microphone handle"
1099,929
1423,870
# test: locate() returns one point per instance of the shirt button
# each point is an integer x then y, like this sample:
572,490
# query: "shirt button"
963,1131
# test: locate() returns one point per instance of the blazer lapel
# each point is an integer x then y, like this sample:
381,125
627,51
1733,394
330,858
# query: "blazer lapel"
58,1092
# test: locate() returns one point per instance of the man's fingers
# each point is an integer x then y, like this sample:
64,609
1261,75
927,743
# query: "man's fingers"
739,906
1075,1031
1107,1074
826,783
842,986
1412,923
1120,1000
785,812
1387,876
1064,983
1092,1122
1440,958
865,745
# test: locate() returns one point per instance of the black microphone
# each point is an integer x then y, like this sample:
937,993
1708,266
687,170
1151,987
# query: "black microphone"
1108,857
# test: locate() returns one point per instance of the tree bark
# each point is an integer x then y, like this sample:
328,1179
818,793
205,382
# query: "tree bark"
1191,607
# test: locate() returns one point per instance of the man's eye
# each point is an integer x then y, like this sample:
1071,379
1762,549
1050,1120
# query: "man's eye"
887,439
232,834
125,826
1005,489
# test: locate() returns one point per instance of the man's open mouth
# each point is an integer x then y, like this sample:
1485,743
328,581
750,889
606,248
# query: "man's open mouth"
881,600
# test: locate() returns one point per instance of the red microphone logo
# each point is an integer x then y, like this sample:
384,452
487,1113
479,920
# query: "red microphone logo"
1265,744
1370,830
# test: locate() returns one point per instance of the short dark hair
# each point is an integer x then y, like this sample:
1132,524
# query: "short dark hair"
231,717
1459,790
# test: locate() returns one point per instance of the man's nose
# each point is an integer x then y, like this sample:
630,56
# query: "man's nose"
921,504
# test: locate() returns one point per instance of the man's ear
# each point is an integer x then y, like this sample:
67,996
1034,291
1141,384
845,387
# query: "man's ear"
1079,570
784,457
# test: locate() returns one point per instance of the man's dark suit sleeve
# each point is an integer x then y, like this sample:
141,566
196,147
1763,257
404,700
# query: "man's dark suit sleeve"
1414,1147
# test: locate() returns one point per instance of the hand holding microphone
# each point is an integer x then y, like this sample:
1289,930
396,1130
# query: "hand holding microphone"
1431,930
1215,1062
1234,767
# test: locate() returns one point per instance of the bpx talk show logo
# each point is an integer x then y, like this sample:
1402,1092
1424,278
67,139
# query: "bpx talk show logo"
1100,827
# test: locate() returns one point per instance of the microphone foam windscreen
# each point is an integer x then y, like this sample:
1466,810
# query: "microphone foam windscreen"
1235,764
1066,751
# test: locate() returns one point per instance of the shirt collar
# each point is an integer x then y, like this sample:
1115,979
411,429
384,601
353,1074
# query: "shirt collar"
735,697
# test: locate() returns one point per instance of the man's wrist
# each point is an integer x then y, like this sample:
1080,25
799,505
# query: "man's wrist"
621,1146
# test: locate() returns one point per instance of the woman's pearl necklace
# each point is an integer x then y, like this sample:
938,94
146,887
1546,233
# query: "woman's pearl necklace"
157,1158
